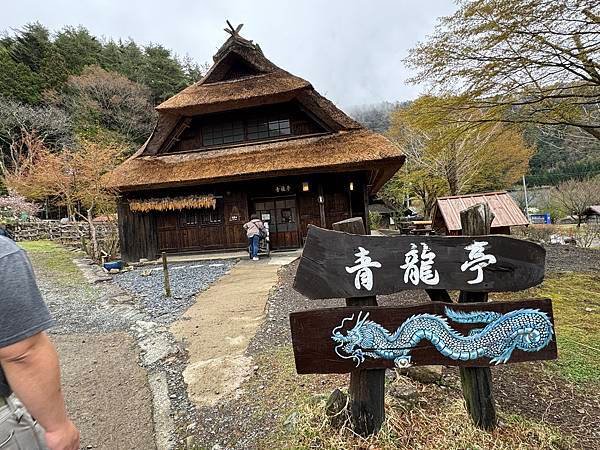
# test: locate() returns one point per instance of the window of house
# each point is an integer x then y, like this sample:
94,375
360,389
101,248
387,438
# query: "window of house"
223,133
190,218
264,128
286,215
210,216
204,216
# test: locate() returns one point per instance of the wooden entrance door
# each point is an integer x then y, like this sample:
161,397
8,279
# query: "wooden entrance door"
283,220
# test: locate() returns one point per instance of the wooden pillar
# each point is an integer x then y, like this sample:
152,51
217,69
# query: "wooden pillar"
367,386
477,381
365,190
167,282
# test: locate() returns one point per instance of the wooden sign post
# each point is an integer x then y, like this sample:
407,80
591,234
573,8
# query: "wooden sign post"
364,339
476,382
367,387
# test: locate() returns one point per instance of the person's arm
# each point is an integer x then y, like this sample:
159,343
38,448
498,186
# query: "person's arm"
32,370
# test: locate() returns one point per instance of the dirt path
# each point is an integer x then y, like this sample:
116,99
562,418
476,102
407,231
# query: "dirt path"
218,327
106,391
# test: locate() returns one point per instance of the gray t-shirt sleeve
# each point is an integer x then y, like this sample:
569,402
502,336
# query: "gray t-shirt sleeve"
23,312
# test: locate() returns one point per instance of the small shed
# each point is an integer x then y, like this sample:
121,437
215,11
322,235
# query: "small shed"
446,212
592,214
385,212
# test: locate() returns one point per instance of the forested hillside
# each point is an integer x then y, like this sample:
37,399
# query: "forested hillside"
67,84
560,153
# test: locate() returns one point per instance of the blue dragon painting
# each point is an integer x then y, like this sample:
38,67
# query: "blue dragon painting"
529,330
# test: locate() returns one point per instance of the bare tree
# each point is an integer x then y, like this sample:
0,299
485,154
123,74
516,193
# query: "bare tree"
520,61
111,100
577,196
72,176
51,124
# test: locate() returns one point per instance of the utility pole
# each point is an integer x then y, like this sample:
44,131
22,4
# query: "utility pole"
526,200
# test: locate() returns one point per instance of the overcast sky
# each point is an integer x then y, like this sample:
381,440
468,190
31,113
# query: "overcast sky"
350,50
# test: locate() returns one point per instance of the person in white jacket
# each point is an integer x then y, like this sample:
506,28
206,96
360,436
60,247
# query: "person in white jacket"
253,230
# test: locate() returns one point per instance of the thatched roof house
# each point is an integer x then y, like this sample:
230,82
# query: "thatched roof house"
254,139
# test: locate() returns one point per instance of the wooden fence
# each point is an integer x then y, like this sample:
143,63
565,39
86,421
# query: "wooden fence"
71,234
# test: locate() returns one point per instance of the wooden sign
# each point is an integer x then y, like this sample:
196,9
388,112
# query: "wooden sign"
336,264
340,340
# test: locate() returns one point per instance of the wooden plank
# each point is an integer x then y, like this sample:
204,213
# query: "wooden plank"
367,387
315,349
328,267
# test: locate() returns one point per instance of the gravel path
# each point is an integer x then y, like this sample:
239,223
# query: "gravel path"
284,300
111,337
146,283
106,392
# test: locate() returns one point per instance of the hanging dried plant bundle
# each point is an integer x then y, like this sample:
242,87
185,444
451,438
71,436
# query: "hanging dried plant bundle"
173,203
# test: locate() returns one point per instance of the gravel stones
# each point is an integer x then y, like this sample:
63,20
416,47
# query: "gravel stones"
146,283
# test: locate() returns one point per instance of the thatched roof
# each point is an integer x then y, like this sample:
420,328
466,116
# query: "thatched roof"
346,150
263,79
243,77
204,98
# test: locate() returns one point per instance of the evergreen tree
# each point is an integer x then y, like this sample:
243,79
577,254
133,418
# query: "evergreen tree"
78,48
132,61
17,81
53,70
192,70
111,56
162,73
30,45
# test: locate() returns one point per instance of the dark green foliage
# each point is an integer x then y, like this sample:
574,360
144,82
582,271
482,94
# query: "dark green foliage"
17,81
563,153
34,60
132,61
78,48
192,70
162,73
30,45
69,82
53,70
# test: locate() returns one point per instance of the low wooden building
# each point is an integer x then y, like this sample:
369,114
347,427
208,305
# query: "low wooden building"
446,212
247,138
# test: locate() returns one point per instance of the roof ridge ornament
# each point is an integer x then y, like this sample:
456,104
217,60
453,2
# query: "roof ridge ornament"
233,31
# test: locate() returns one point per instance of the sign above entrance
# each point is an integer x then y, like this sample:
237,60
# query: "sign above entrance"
282,188
360,265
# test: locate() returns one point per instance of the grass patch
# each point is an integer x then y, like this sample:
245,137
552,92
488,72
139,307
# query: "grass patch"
448,427
437,420
53,262
576,306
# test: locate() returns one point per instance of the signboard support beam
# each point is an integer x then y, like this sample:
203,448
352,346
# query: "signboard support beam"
477,381
367,386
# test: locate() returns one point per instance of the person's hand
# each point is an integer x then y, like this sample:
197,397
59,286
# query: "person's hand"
65,437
